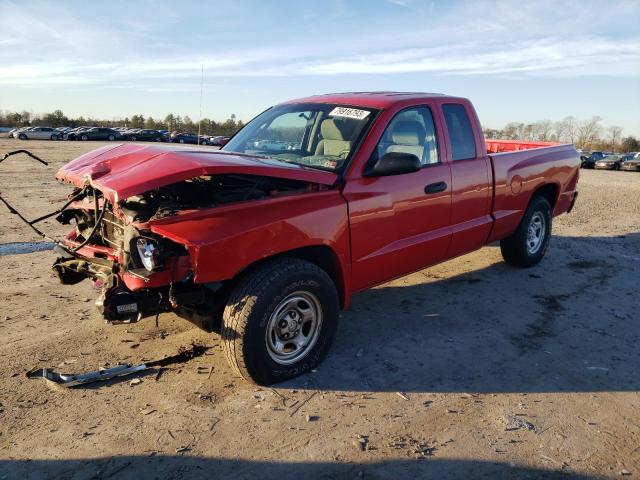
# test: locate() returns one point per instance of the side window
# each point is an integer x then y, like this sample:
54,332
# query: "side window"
411,131
463,146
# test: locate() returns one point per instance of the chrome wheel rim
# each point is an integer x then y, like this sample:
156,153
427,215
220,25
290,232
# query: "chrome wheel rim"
294,327
536,232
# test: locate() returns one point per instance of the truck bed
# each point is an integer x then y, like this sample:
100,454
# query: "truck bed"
499,146
521,168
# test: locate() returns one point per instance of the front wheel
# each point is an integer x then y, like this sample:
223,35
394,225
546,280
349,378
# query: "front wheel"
280,320
84,138
22,136
111,138
527,246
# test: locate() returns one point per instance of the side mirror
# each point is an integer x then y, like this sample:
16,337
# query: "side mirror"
393,163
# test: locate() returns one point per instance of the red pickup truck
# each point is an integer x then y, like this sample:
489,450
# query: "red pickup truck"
313,200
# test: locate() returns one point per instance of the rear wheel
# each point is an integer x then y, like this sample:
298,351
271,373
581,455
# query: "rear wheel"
529,243
111,138
279,321
54,137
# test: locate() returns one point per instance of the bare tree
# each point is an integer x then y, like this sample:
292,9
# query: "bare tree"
510,131
542,130
588,132
615,133
558,131
569,129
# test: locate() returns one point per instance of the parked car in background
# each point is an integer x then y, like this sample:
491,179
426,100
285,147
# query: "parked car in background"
191,138
98,133
143,135
16,131
39,133
591,160
632,164
610,162
74,132
219,141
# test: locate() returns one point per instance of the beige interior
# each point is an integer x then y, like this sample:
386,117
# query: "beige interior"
409,136
334,134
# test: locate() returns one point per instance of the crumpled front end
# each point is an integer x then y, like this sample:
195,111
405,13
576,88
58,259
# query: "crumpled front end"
138,273
141,272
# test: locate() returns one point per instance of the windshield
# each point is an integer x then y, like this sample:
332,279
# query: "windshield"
316,135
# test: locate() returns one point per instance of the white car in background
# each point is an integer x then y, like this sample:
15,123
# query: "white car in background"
39,133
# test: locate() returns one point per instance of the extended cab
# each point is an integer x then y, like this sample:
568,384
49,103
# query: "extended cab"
268,244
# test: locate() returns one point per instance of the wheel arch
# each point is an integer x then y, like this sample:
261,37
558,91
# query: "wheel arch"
323,256
550,191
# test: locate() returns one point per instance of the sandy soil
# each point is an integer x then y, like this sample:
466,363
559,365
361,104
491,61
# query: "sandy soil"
470,369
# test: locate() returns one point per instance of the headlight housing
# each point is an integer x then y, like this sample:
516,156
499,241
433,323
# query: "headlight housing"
149,253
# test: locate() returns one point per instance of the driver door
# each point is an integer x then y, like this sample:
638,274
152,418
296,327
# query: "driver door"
401,223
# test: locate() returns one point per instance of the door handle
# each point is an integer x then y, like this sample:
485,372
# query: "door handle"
435,188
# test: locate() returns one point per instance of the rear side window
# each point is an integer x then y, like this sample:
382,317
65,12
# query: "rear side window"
463,146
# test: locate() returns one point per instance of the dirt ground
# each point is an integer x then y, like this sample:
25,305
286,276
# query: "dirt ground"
470,369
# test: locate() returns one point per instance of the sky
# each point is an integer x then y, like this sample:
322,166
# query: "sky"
516,60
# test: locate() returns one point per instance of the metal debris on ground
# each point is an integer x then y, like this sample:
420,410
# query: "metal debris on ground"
402,395
362,442
72,380
515,422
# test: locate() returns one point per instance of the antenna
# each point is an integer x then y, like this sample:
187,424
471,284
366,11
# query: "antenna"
200,118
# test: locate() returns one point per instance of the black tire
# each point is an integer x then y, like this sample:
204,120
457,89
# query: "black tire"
250,307
84,138
515,249
111,138
54,137
134,139
22,136
181,141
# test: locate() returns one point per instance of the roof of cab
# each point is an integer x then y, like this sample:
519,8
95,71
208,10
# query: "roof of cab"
379,100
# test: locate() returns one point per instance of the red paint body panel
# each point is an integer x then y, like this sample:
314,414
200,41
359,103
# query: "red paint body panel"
531,169
377,228
499,146
223,241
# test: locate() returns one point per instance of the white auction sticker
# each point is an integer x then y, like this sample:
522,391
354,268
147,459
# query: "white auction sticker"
349,113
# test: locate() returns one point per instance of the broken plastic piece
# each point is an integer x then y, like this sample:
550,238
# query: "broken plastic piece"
73,380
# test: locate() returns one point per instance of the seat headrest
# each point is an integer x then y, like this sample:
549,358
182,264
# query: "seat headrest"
408,132
336,129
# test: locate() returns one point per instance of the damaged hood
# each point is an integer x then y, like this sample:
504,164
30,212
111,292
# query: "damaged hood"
120,171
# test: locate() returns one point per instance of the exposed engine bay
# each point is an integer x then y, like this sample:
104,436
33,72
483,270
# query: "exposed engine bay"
207,192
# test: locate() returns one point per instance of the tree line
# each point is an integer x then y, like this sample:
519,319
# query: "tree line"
587,134
170,122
